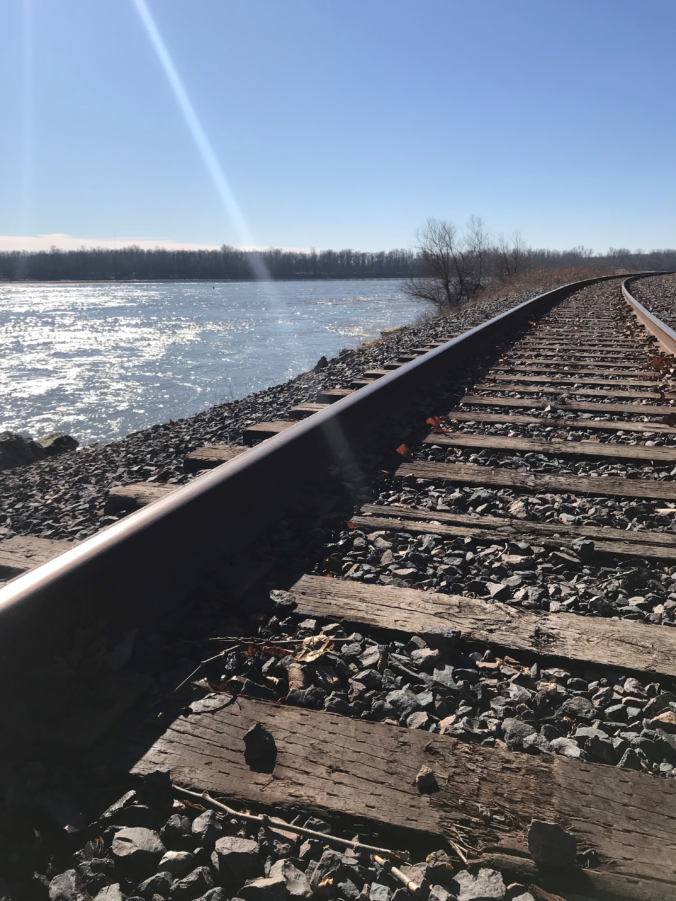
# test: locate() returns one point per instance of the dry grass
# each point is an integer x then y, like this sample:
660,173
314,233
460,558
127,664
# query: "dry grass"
539,280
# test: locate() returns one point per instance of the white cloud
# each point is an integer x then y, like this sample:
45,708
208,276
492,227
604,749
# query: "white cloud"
66,242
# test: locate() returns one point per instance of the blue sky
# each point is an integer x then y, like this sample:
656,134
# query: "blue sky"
336,123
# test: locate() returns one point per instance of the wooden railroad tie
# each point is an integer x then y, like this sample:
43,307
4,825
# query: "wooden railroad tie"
484,528
557,448
648,409
552,420
648,394
583,640
211,456
332,765
539,482
24,552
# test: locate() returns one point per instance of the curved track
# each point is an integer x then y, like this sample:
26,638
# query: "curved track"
464,564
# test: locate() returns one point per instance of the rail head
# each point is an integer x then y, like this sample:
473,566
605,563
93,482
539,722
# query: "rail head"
666,336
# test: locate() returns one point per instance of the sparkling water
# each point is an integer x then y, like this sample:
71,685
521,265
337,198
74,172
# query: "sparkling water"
101,360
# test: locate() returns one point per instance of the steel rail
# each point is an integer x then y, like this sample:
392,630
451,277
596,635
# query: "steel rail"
666,337
138,569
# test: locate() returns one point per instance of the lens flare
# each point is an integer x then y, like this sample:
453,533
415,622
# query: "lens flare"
259,269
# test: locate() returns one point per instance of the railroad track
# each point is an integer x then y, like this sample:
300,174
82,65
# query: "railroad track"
445,592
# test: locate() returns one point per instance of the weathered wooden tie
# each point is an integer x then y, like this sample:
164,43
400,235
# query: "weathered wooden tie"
539,482
489,529
262,430
583,640
211,456
647,409
331,765
610,425
587,448
24,552
126,498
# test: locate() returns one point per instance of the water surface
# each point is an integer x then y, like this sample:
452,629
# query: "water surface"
101,360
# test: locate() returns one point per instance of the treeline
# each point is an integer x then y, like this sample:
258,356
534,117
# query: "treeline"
225,263
615,258
239,265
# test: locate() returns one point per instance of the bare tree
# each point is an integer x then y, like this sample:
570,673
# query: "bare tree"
513,256
455,262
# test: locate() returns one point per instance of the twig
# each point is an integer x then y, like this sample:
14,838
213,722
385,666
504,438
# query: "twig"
405,881
458,851
195,671
300,830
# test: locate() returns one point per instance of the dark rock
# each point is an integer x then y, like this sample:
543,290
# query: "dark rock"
439,867
259,742
176,862
18,451
426,781
192,886
630,760
176,831
442,636
515,731
159,884
93,874
330,867
549,844
379,892
156,789
215,894
207,827
297,883
57,443
404,702
578,709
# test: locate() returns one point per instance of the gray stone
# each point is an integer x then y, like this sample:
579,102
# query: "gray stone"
207,828
404,702
297,883
64,887
272,888
442,636
238,858
330,866
526,896
192,886
487,885
600,749
379,892
176,827
551,845
567,747
578,709
176,862
110,893
159,884
94,874
137,850
515,731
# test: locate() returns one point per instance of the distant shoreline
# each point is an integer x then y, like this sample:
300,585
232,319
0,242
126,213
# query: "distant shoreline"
214,281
